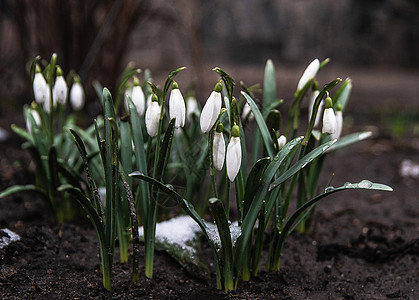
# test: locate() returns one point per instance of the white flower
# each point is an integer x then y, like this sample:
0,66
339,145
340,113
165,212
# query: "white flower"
191,108
282,140
40,88
77,96
329,118
234,154
36,118
339,124
247,111
211,109
138,98
313,97
218,150
177,108
149,99
309,73
60,90
152,116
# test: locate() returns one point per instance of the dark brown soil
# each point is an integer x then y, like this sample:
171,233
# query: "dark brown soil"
363,245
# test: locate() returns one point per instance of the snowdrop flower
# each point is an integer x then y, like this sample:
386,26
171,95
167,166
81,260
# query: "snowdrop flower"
247,111
309,73
60,89
77,94
40,87
211,109
339,122
234,154
218,148
138,97
282,140
152,117
329,118
191,108
177,108
313,97
36,118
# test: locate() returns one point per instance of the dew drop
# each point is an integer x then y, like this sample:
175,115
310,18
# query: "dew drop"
348,185
169,186
365,184
325,148
329,189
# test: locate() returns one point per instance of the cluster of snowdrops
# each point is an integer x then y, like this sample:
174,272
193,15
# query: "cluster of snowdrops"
152,144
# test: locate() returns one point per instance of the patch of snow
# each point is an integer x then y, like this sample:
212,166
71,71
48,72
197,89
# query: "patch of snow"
6,240
235,232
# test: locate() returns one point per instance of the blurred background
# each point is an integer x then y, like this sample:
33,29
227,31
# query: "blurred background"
375,42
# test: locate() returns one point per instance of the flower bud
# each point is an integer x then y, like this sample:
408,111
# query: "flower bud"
211,109
177,108
219,148
282,140
309,73
329,118
152,117
77,94
234,154
247,112
60,89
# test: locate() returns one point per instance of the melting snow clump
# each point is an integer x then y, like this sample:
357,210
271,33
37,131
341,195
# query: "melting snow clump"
7,236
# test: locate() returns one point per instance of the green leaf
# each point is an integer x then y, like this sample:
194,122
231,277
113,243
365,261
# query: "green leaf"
23,188
253,182
342,94
266,136
169,79
22,133
349,139
301,164
269,84
257,203
217,210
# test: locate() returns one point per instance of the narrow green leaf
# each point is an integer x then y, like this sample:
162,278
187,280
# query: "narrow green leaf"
264,131
169,79
24,188
253,182
269,84
342,94
301,164
349,139
217,210
228,81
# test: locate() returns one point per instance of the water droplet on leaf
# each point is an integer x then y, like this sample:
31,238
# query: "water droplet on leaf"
365,184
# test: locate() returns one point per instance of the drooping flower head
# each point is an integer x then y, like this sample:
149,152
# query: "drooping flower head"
138,97
309,73
219,148
40,87
234,154
339,122
60,89
152,117
329,118
77,94
282,140
211,109
177,108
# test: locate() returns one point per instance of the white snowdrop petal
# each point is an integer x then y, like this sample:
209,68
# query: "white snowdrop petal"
177,108
60,90
309,73
210,112
40,88
219,149
77,96
282,140
152,117
339,124
329,121
233,158
138,98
